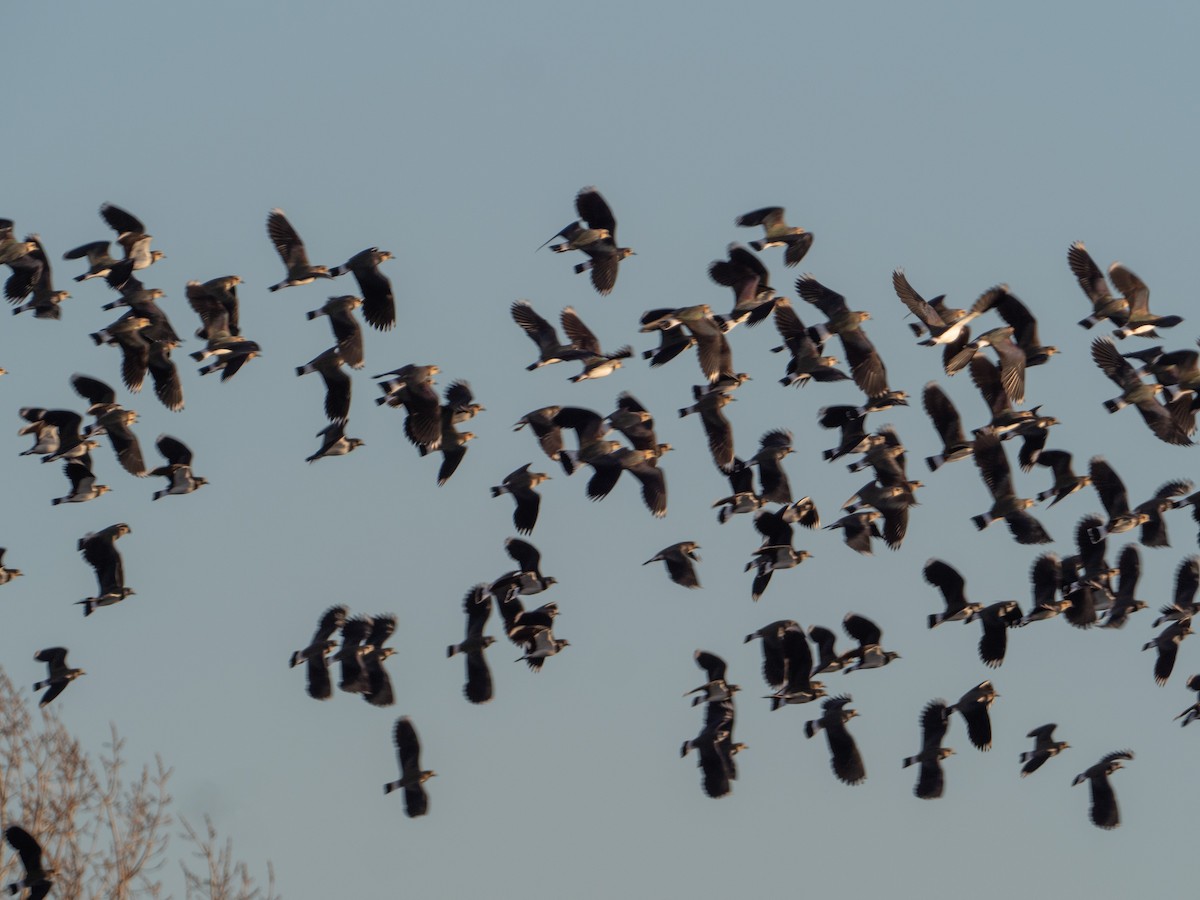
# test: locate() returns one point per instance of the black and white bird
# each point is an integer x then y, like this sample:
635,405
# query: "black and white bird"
793,656
378,302
844,757
379,684
350,655
931,780
346,330
1104,812
777,233
291,250
715,748
679,559
337,383
412,776
477,604
716,688
36,877
521,483
1044,747
83,482
953,587
100,552
7,574
973,706
1192,713
527,578
1166,643
178,470
996,619
131,235
314,655
59,674
869,654
334,442
598,240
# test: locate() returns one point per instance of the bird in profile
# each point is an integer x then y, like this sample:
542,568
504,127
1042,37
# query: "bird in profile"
215,298
931,780
953,587
527,578
1166,643
346,330
1044,747
378,303
997,476
379,683
100,552
31,275
477,604
337,383
996,619
1104,812
37,877
948,424
83,482
789,655
291,250
1095,288
334,442
412,776
973,706
7,574
777,233
1134,392
716,689
744,273
314,655
131,235
775,661
598,240
100,263
679,559
1192,713
806,362
716,748
869,654
521,483
350,654
178,470
844,757
59,674
941,331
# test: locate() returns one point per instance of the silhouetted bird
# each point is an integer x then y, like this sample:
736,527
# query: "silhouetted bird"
60,674
412,776
1104,813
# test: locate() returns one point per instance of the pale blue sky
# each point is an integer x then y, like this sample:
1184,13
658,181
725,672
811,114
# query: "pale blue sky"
969,144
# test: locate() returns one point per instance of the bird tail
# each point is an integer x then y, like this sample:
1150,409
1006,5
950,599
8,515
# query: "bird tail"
935,619
909,761
391,786
1113,405
757,245
981,522
497,491
935,462
1089,321
582,267
811,728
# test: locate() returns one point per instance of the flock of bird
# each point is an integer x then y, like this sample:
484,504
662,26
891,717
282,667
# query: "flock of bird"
1081,585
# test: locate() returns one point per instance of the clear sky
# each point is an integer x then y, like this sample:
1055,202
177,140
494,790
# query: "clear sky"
970,144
